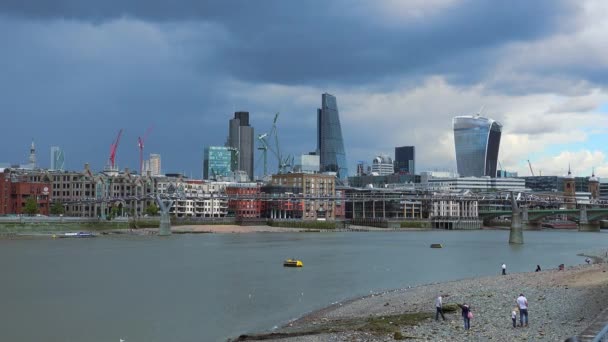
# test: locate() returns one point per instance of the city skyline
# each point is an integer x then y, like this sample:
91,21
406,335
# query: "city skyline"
539,68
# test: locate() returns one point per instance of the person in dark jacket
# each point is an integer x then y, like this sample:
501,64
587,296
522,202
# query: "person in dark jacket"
537,268
466,312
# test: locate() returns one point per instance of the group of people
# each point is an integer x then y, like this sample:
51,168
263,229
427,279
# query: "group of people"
467,314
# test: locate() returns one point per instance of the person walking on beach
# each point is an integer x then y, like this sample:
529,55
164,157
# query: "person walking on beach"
504,269
514,317
522,303
439,308
537,268
466,315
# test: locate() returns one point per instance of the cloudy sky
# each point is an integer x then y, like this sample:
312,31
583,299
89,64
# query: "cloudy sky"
72,73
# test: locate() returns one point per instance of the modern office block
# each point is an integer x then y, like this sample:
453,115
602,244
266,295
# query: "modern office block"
477,140
219,161
307,163
57,159
382,165
240,137
330,145
405,159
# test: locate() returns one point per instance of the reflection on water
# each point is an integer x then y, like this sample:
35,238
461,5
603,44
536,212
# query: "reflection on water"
209,287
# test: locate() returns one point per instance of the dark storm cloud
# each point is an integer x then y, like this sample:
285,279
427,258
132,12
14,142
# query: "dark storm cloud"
316,42
74,72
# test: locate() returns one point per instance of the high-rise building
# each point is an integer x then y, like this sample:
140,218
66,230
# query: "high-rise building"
477,140
307,163
155,164
240,137
32,158
405,159
57,159
330,145
382,165
219,161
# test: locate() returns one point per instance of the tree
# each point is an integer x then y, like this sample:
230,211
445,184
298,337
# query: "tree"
57,208
152,210
31,206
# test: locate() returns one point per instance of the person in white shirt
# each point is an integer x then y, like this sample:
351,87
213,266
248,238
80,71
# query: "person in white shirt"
504,269
439,308
522,303
514,317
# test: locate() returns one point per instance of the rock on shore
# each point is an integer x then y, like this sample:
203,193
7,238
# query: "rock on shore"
561,304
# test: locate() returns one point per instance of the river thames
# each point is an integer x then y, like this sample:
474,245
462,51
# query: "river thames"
208,287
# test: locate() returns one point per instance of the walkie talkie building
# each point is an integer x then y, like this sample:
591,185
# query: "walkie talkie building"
477,140
330,145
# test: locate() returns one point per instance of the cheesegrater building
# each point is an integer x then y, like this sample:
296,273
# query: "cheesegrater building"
477,140
330,145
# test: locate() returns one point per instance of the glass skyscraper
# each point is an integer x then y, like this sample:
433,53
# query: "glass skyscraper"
477,140
57,159
405,159
330,145
218,161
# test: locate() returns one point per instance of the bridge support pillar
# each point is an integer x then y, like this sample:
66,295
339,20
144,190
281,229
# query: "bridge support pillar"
165,225
584,225
516,235
589,227
165,220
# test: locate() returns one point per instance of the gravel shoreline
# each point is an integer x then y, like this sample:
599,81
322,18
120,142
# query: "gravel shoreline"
561,304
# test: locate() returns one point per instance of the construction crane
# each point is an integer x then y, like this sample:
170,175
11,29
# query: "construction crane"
140,144
113,148
530,165
264,149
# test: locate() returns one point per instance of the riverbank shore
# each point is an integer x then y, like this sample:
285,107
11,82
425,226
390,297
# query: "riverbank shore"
561,304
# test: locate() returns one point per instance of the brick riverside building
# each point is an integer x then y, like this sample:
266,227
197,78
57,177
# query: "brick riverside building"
314,186
5,193
16,188
246,207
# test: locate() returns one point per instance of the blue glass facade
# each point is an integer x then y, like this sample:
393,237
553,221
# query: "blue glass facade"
219,161
477,140
330,145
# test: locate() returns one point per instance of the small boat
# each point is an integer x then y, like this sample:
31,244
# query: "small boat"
78,235
293,263
436,245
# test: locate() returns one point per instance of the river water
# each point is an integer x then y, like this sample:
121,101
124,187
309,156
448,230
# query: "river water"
209,287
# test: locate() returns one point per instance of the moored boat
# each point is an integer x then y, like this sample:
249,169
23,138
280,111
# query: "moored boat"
78,235
293,263
436,245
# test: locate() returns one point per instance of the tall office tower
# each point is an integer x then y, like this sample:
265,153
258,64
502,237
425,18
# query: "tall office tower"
477,140
218,161
405,159
154,164
57,159
330,145
240,136
32,158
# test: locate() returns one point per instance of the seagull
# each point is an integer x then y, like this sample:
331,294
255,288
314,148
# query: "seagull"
121,340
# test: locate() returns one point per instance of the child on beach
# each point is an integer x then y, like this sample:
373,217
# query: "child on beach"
514,317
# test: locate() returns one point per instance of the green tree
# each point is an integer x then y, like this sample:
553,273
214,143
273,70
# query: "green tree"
57,208
31,206
152,210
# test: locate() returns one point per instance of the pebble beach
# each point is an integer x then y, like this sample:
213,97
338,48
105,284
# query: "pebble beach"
561,304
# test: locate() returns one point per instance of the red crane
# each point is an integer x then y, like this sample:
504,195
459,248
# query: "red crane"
113,149
140,144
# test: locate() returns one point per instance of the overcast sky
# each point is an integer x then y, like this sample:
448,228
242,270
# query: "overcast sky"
72,73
